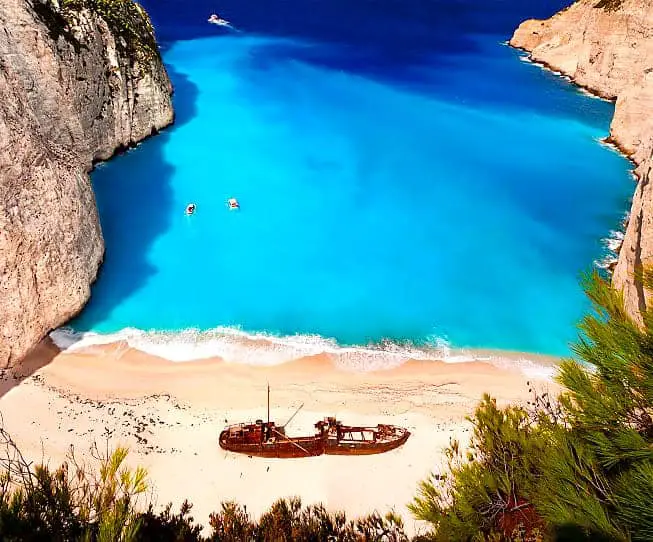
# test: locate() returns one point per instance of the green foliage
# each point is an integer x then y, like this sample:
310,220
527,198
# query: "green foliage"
168,527
610,407
488,493
288,521
579,469
72,502
232,523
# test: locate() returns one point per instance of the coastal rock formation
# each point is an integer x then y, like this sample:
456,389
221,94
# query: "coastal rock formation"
606,46
79,80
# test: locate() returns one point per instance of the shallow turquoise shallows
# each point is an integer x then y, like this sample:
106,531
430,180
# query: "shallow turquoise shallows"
455,194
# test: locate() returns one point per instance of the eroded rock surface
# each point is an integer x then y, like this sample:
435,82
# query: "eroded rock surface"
72,91
607,47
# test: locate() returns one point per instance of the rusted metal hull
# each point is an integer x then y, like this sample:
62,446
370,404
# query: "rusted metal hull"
267,439
285,447
288,448
364,448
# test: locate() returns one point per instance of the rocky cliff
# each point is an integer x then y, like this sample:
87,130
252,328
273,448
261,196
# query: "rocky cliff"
79,80
606,46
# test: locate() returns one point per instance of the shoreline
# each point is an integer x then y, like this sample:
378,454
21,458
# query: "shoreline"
81,371
170,414
231,345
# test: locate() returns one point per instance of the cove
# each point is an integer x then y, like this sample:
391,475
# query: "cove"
403,177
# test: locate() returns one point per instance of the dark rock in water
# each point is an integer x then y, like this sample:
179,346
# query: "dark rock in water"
74,89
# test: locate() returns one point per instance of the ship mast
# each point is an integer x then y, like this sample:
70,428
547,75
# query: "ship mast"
268,404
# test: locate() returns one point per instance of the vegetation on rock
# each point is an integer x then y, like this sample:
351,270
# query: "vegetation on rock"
127,20
609,5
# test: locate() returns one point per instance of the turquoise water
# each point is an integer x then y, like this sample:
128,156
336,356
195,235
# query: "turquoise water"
451,194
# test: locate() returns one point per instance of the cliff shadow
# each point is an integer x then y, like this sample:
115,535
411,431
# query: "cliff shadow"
134,198
40,356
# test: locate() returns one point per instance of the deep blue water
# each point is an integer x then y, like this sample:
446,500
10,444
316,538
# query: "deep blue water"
402,175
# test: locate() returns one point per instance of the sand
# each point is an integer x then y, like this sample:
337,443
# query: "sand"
169,415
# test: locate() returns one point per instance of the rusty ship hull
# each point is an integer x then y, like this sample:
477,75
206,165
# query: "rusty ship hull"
288,448
357,447
332,438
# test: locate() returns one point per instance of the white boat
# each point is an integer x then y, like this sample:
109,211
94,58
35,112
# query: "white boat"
190,208
214,19
233,204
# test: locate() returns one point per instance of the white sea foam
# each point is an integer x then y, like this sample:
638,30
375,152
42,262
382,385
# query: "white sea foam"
236,346
614,240
608,145
586,92
591,94
532,369
612,244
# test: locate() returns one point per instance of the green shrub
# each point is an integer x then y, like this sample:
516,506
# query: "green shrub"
288,521
73,502
488,492
168,527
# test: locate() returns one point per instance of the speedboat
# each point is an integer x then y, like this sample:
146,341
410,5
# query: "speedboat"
233,204
190,208
215,19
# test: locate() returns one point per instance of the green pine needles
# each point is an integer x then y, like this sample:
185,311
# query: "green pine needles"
580,468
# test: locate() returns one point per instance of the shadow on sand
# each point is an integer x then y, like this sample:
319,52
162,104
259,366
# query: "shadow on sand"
40,356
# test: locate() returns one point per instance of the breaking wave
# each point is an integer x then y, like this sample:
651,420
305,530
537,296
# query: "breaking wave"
233,345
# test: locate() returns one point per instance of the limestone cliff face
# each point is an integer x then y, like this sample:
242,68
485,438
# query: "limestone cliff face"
73,89
607,47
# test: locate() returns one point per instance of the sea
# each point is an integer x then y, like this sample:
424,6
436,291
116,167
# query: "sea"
409,186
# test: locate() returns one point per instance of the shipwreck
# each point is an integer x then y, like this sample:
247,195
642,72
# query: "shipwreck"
331,437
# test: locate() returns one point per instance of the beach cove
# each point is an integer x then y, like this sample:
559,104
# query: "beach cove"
415,216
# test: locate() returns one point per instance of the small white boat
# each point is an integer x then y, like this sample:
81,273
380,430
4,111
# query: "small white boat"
190,208
214,19
233,204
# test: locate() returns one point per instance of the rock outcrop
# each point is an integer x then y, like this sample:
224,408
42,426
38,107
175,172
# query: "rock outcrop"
606,46
77,83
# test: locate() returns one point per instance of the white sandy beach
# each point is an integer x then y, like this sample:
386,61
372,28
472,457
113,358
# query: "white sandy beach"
170,414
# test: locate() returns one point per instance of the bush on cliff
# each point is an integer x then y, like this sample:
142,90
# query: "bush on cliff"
578,469
127,21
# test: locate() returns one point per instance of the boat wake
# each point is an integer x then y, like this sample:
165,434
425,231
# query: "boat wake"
218,21
236,346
